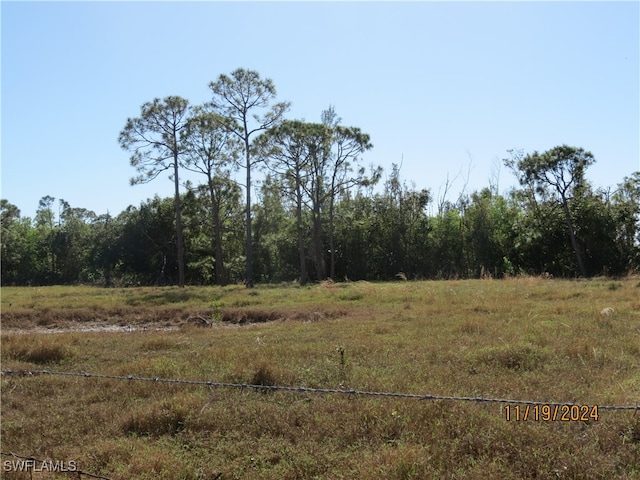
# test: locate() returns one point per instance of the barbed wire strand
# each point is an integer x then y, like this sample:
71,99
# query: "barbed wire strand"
75,471
352,392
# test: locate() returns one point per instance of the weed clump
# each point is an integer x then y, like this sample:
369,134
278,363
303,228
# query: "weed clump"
351,296
42,352
264,376
516,357
157,344
157,419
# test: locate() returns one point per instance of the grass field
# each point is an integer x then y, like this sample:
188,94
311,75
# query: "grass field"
525,339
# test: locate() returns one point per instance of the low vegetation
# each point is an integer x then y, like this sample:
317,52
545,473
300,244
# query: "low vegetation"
523,338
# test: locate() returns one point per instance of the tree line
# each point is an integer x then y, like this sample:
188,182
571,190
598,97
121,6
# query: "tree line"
317,214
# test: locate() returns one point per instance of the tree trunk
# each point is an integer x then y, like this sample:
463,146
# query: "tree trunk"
572,236
331,242
317,242
249,246
107,277
220,272
303,263
217,235
179,237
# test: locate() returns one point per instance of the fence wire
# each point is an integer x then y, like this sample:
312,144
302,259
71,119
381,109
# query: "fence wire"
325,391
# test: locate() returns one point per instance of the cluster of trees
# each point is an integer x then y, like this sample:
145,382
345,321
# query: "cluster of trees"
317,215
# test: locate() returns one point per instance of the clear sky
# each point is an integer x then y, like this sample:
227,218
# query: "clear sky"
446,88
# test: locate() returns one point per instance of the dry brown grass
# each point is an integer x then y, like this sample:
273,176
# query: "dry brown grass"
531,339
43,351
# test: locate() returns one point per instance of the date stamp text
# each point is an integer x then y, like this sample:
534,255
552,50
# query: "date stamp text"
551,413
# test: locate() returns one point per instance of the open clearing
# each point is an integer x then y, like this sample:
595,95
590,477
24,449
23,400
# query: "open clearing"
524,339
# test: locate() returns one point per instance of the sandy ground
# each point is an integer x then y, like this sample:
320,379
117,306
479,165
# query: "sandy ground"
92,328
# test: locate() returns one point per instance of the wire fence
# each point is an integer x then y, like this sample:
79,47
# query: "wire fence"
32,464
324,391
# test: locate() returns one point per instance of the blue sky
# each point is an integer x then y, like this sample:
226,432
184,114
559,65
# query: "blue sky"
446,88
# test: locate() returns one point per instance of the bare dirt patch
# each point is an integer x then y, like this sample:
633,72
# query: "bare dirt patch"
146,318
